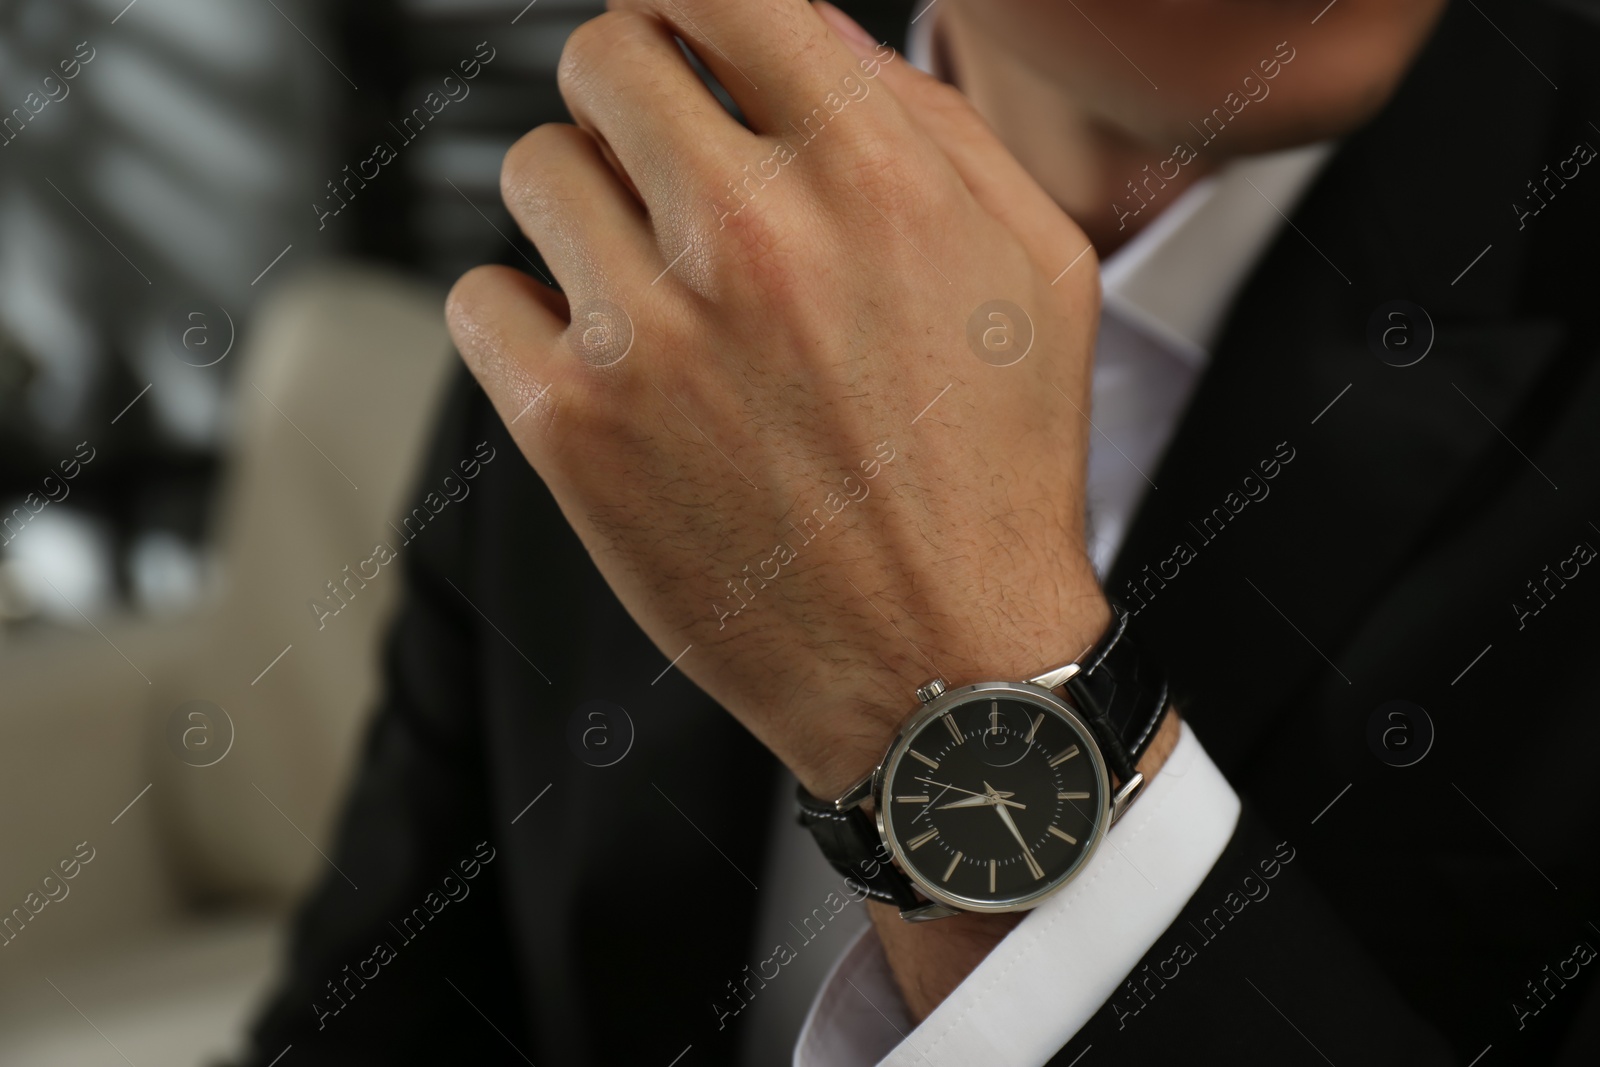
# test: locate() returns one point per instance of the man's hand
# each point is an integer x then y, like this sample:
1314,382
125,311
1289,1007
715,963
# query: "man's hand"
757,402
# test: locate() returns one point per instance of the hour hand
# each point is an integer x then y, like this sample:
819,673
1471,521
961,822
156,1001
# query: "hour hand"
968,802
983,801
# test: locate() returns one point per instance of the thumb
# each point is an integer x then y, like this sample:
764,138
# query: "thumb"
990,172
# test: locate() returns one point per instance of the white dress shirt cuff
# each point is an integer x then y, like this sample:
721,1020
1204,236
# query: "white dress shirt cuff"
1061,963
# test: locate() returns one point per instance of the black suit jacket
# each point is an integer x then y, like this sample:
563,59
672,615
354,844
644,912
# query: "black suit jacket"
1363,913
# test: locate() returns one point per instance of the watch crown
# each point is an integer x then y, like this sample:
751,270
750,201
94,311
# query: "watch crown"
928,692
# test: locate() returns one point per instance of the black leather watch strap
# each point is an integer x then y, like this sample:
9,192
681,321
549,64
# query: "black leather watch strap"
1121,694
849,840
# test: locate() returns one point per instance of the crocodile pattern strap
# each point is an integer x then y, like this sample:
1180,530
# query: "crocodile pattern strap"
849,840
1121,694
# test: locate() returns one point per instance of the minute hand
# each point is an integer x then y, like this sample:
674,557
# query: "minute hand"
986,797
1005,817
1033,864
981,801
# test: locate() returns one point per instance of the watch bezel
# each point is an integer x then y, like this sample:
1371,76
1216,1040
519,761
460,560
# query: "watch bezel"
913,728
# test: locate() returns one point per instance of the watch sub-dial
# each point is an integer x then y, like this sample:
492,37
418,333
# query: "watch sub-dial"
1004,735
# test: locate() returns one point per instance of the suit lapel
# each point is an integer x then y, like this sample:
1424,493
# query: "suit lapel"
1238,575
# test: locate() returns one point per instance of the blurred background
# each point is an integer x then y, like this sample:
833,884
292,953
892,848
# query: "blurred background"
221,350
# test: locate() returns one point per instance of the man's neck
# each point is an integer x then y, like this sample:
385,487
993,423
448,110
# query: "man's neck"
1081,162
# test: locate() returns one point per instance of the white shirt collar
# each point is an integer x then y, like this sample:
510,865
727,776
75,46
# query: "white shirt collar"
1177,277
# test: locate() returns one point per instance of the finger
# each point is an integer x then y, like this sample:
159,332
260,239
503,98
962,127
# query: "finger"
776,58
507,327
571,204
625,79
988,169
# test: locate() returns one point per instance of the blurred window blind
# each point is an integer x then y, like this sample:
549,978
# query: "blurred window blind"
168,168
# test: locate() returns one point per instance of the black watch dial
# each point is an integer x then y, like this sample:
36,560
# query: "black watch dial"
995,800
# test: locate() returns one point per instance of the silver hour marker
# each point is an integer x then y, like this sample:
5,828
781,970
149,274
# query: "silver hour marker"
1072,796
948,871
955,731
930,762
923,839
1064,755
1033,865
1037,719
994,716
1068,838
923,799
991,875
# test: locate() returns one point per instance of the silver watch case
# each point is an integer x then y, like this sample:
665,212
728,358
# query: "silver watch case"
944,903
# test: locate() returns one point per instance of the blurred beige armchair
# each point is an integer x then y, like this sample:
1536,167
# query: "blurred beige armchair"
165,940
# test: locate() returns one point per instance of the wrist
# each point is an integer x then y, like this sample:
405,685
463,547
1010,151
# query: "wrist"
866,709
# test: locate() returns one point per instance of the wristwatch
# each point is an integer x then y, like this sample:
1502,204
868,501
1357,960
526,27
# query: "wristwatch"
993,796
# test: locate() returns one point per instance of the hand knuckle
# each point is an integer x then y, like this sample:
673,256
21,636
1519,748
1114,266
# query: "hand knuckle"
471,292
530,164
594,41
766,246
